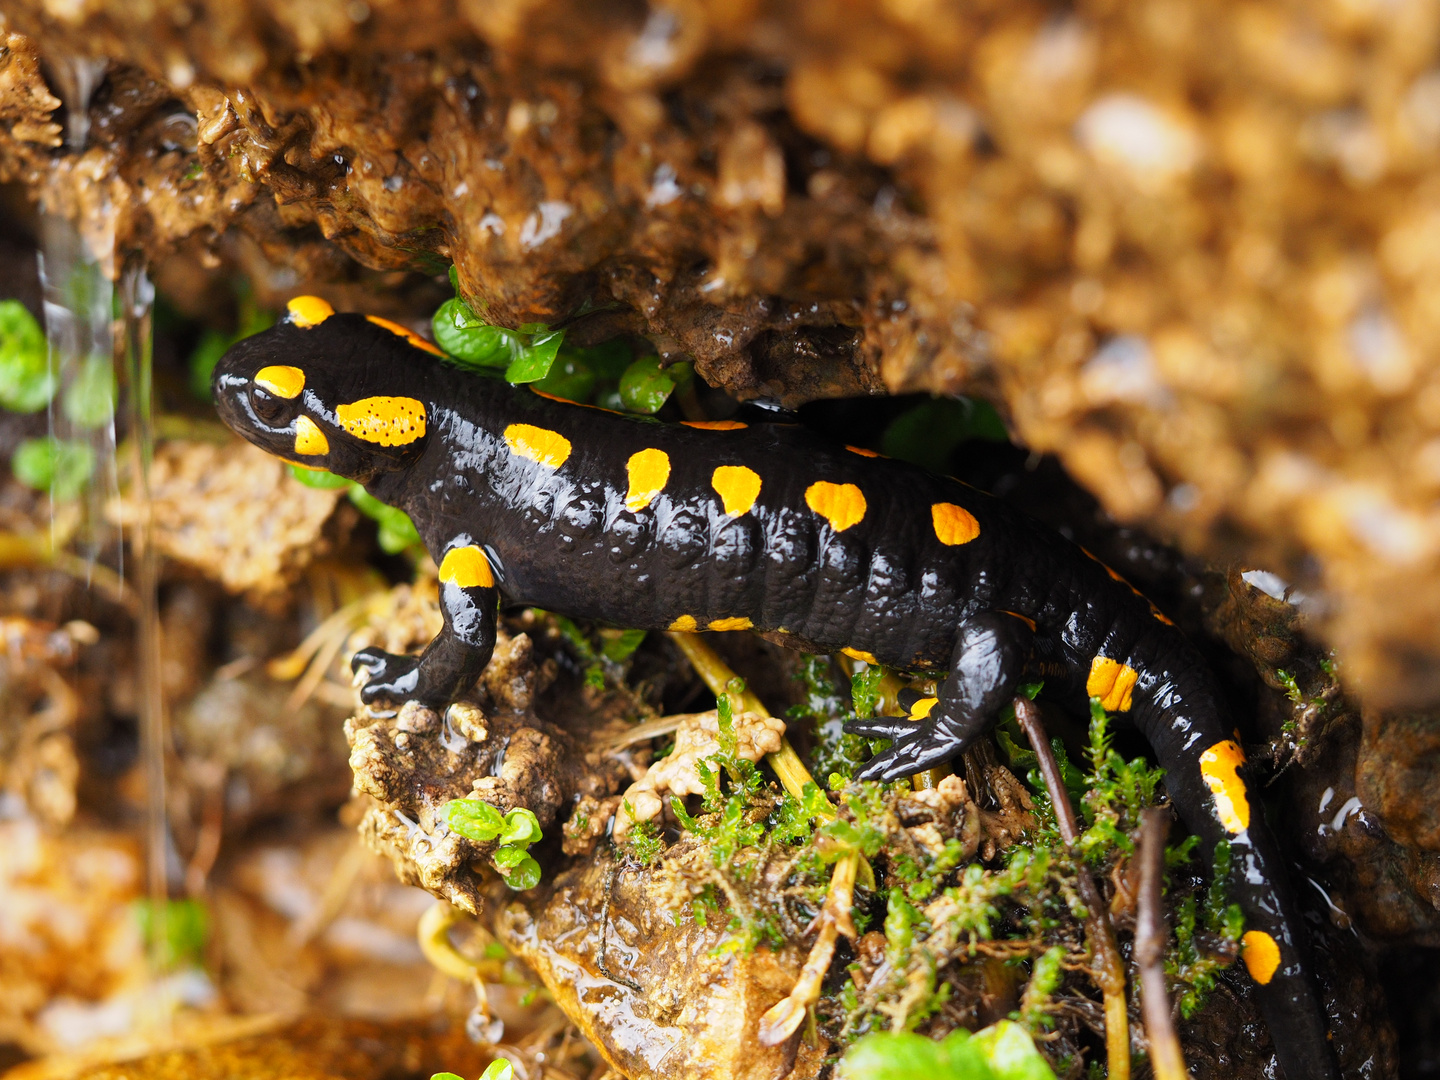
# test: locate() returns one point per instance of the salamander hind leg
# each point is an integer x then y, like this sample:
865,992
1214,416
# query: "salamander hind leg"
453,661
991,654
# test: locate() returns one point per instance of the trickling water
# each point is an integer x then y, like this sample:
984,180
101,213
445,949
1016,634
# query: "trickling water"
89,328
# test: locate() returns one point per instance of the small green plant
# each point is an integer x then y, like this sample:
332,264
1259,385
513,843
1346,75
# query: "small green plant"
601,656
396,531
1045,978
60,466
26,382
929,433
499,1069
1003,1051
515,831
1192,967
186,928
526,354
1118,791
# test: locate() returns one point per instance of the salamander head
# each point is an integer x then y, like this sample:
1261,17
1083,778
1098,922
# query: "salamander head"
327,391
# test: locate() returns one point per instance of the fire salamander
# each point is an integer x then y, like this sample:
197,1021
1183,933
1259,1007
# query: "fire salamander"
722,525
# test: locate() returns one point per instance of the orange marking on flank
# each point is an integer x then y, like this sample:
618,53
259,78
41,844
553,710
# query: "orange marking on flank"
1261,954
863,452
403,332
1220,768
737,486
859,654
715,425
386,421
734,623
1112,682
308,311
1023,618
466,567
954,525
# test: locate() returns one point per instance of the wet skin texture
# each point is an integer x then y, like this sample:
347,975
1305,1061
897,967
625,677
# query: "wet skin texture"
523,499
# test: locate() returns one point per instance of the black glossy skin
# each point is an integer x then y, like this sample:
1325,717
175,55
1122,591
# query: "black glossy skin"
562,539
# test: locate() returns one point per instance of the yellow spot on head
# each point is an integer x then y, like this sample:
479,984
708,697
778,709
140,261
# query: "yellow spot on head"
860,654
921,709
862,451
685,624
308,311
1220,767
739,623
648,471
466,567
738,488
715,425
282,381
1261,954
409,335
309,439
842,505
538,444
954,524
1112,682
388,421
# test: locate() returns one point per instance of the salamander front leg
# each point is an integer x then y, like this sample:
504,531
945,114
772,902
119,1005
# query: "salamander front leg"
990,658
454,660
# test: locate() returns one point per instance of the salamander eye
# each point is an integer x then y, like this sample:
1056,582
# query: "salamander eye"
269,408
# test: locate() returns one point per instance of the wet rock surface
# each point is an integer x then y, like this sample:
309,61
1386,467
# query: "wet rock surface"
1187,250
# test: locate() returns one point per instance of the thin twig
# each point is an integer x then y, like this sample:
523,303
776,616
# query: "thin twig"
1108,968
1151,934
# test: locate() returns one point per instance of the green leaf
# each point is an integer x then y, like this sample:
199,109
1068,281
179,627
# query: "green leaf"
186,928
207,354
26,384
90,399
570,377
499,1069
521,827
445,1076
397,531
474,820
524,876
928,433
904,1056
534,358
318,478
462,334
1011,1052
507,858
645,386
59,466
622,645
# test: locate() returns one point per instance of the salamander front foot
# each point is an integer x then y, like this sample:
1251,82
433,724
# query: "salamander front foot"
915,746
395,679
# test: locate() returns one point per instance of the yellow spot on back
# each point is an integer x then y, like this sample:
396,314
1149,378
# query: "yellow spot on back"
921,709
409,335
1112,682
1220,767
282,381
648,471
388,421
954,524
738,488
1261,954
308,311
538,444
862,451
842,505
309,439
738,623
466,567
860,654
685,624
715,425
